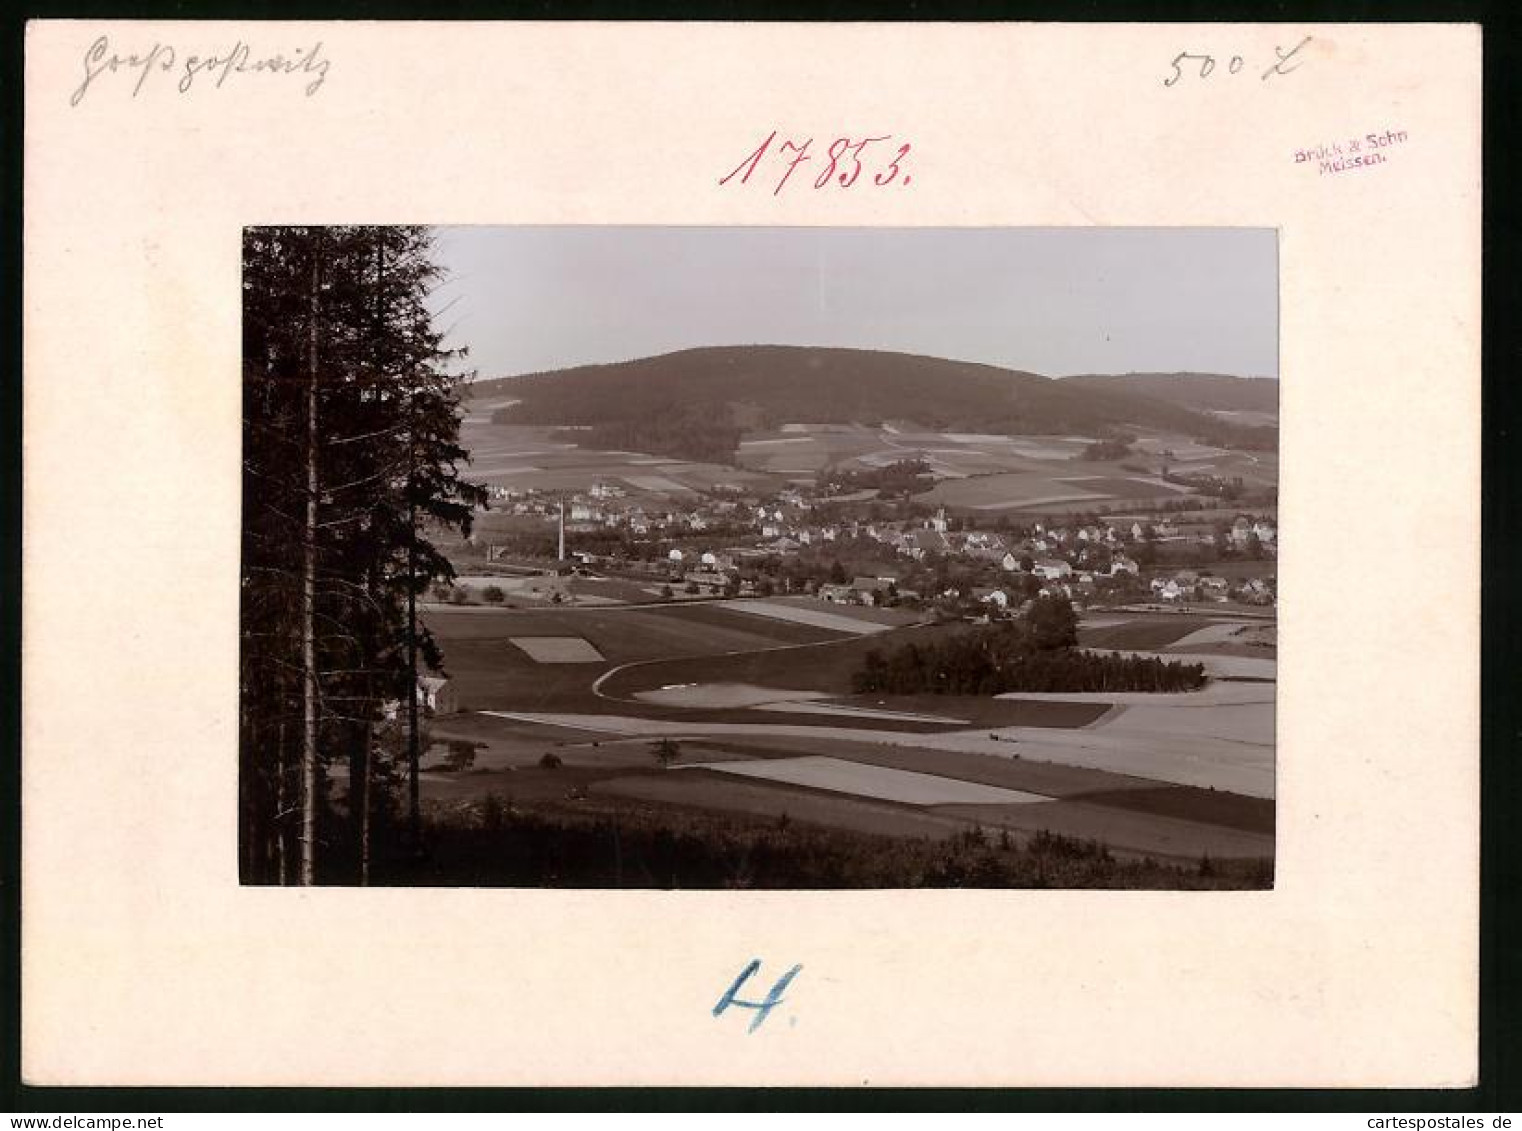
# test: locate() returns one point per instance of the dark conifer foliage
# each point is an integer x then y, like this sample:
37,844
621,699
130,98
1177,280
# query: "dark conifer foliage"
350,453
1037,653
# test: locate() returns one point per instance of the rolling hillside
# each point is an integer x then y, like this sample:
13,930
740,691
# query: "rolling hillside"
1199,392
698,403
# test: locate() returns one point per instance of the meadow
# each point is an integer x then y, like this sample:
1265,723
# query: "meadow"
1141,632
489,672
529,457
765,726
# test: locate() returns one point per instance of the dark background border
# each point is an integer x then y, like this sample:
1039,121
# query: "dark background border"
1500,1087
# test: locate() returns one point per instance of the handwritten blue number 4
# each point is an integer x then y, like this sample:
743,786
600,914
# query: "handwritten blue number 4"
762,1008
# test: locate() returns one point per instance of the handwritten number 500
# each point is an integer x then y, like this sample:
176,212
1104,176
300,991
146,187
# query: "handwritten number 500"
1206,63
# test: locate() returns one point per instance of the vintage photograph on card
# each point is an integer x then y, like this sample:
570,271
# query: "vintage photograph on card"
728,558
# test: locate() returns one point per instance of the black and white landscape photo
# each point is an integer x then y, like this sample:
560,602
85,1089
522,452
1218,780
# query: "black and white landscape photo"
731,558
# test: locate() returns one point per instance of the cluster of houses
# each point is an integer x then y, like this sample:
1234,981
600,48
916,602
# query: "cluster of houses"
1185,586
1067,559
1053,553
436,695
608,506
786,522
1188,585
1059,579
865,591
1053,577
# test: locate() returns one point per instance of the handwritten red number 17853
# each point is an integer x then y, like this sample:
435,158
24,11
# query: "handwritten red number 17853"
842,162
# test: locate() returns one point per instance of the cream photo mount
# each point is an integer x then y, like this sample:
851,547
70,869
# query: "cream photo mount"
144,961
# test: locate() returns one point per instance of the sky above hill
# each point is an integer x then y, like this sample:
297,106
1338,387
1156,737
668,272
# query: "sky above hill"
1056,301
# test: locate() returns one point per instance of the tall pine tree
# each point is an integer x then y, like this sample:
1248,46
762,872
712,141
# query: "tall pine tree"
351,454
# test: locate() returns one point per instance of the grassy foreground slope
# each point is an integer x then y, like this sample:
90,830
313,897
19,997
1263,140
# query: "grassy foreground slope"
491,844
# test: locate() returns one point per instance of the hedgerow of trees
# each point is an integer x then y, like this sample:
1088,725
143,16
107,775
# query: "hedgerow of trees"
898,479
1112,449
1035,653
701,433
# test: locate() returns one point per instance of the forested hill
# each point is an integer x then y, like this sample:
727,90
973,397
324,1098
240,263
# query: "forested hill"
696,403
1201,392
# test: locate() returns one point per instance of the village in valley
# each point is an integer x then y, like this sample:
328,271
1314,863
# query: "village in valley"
882,516
637,637
1083,560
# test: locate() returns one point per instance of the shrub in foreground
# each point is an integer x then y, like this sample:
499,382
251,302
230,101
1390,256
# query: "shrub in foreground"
491,844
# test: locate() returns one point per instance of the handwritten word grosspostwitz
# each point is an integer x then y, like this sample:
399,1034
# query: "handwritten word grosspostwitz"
841,164
189,71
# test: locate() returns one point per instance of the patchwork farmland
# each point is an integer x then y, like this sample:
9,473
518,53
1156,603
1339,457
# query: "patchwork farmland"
759,705
973,472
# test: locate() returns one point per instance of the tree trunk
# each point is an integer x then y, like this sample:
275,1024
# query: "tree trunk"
282,862
414,805
310,770
250,793
359,799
